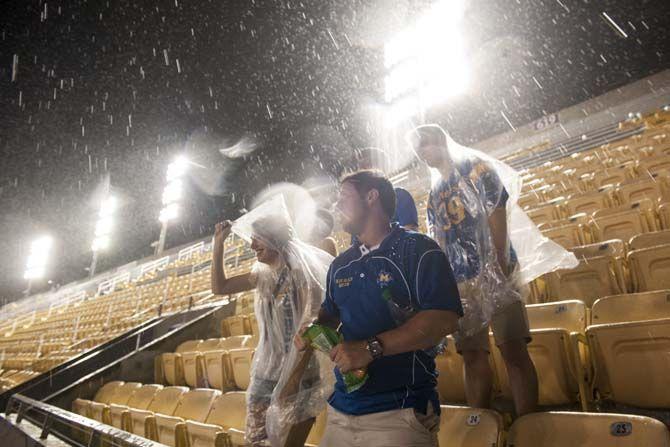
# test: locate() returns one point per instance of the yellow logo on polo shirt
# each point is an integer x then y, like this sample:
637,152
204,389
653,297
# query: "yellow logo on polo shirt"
343,282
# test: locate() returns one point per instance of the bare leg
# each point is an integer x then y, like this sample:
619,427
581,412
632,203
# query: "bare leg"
522,376
478,378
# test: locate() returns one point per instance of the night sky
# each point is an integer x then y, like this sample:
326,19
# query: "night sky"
116,89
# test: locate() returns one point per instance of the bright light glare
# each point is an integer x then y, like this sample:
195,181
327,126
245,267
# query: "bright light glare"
177,168
100,243
170,212
103,227
37,260
172,192
108,206
427,59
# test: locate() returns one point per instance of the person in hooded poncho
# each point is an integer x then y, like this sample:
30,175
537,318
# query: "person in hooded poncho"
287,388
493,249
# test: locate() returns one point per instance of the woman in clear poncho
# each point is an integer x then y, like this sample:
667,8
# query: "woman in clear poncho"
287,388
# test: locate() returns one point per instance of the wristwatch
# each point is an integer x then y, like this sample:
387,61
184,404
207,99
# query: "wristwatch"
375,348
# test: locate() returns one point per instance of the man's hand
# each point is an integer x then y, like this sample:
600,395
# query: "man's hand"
221,232
350,355
299,341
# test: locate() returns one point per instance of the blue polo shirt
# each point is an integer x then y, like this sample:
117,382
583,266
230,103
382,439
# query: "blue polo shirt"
458,212
375,291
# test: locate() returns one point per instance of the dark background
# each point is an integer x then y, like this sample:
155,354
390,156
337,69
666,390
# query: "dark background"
98,100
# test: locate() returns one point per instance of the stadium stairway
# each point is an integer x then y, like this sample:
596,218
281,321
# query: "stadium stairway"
130,356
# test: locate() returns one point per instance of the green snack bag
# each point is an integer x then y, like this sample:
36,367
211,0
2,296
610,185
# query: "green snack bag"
323,338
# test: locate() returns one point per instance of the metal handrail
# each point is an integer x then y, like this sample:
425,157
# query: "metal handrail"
67,426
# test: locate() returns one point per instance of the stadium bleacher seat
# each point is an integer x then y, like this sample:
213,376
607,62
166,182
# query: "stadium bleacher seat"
235,325
590,202
466,426
631,307
630,356
224,424
591,279
140,399
560,429
624,222
650,268
103,395
652,239
172,367
240,360
614,247
568,235
218,367
100,410
143,422
318,429
449,365
557,331
194,405
193,362
637,190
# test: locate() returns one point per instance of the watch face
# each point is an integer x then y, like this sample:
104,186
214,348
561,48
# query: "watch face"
375,348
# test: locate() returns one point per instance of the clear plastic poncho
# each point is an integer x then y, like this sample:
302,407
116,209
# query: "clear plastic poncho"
464,194
287,387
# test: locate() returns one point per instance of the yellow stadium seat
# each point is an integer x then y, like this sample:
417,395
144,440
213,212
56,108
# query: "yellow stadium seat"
630,360
318,429
449,365
650,268
100,410
143,423
664,215
225,423
589,202
546,213
141,399
652,239
103,395
218,369
591,279
624,222
631,307
194,406
614,247
561,429
611,176
466,426
171,362
235,325
557,329
253,324
567,236
193,362
653,165
653,189
240,360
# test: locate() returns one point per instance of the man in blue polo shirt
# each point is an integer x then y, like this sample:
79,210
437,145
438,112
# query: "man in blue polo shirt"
394,298
405,211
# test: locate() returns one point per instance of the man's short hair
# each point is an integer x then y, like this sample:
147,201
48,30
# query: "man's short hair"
366,180
426,134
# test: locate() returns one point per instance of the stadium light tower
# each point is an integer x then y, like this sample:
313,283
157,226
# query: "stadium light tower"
37,260
425,63
171,196
103,229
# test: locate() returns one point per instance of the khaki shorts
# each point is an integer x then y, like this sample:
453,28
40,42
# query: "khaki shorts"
508,324
396,428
